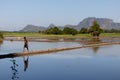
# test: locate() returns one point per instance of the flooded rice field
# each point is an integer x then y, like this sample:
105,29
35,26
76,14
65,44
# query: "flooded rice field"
95,63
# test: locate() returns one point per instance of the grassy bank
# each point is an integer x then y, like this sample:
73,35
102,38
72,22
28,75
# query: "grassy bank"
110,35
58,36
44,35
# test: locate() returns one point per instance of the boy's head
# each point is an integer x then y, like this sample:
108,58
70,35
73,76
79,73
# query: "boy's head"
24,37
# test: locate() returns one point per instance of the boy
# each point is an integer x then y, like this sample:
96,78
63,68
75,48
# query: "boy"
26,44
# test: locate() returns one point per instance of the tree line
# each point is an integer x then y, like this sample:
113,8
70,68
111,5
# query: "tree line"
95,30
56,30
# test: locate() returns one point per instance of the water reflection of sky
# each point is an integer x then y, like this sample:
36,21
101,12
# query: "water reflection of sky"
102,63
102,51
17,46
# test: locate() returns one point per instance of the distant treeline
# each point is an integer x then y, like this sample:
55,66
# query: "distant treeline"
67,30
85,30
56,30
112,31
94,30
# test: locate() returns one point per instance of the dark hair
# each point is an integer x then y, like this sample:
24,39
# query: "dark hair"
24,37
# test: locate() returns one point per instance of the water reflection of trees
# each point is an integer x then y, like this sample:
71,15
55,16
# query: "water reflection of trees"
1,42
95,49
14,69
92,41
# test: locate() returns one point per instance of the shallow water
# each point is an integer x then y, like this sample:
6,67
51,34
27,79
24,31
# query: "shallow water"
98,63
17,46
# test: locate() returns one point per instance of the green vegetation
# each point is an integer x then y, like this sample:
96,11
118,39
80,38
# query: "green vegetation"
16,34
83,31
110,34
112,31
1,35
95,29
57,31
68,30
21,34
53,30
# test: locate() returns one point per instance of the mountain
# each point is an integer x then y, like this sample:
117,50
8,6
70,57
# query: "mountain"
105,23
51,25
32,28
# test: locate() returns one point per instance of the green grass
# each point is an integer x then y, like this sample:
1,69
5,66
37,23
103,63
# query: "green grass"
41,35
11,34
110,35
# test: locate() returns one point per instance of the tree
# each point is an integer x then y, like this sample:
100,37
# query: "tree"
95,29
83,30
1,35
68,30
53,30
112,30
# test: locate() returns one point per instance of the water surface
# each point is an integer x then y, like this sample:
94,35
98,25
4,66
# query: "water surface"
98,63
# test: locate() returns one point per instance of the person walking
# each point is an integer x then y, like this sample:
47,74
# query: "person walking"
25,44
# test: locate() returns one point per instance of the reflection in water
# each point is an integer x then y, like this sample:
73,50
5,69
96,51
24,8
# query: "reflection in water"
14,70
1,42
92,41
25,59
67,65
95,49
14,67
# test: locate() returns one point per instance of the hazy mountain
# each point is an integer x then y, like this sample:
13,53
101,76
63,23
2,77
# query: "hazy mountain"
105,23
51,25
32,28
71,26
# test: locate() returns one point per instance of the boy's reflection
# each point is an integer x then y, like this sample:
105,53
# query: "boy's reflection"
25,59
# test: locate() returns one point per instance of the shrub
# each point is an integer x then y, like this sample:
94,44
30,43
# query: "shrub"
1,35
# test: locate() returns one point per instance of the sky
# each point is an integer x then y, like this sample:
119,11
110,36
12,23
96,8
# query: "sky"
16,14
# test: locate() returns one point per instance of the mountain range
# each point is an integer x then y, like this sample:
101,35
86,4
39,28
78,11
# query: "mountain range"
105,23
